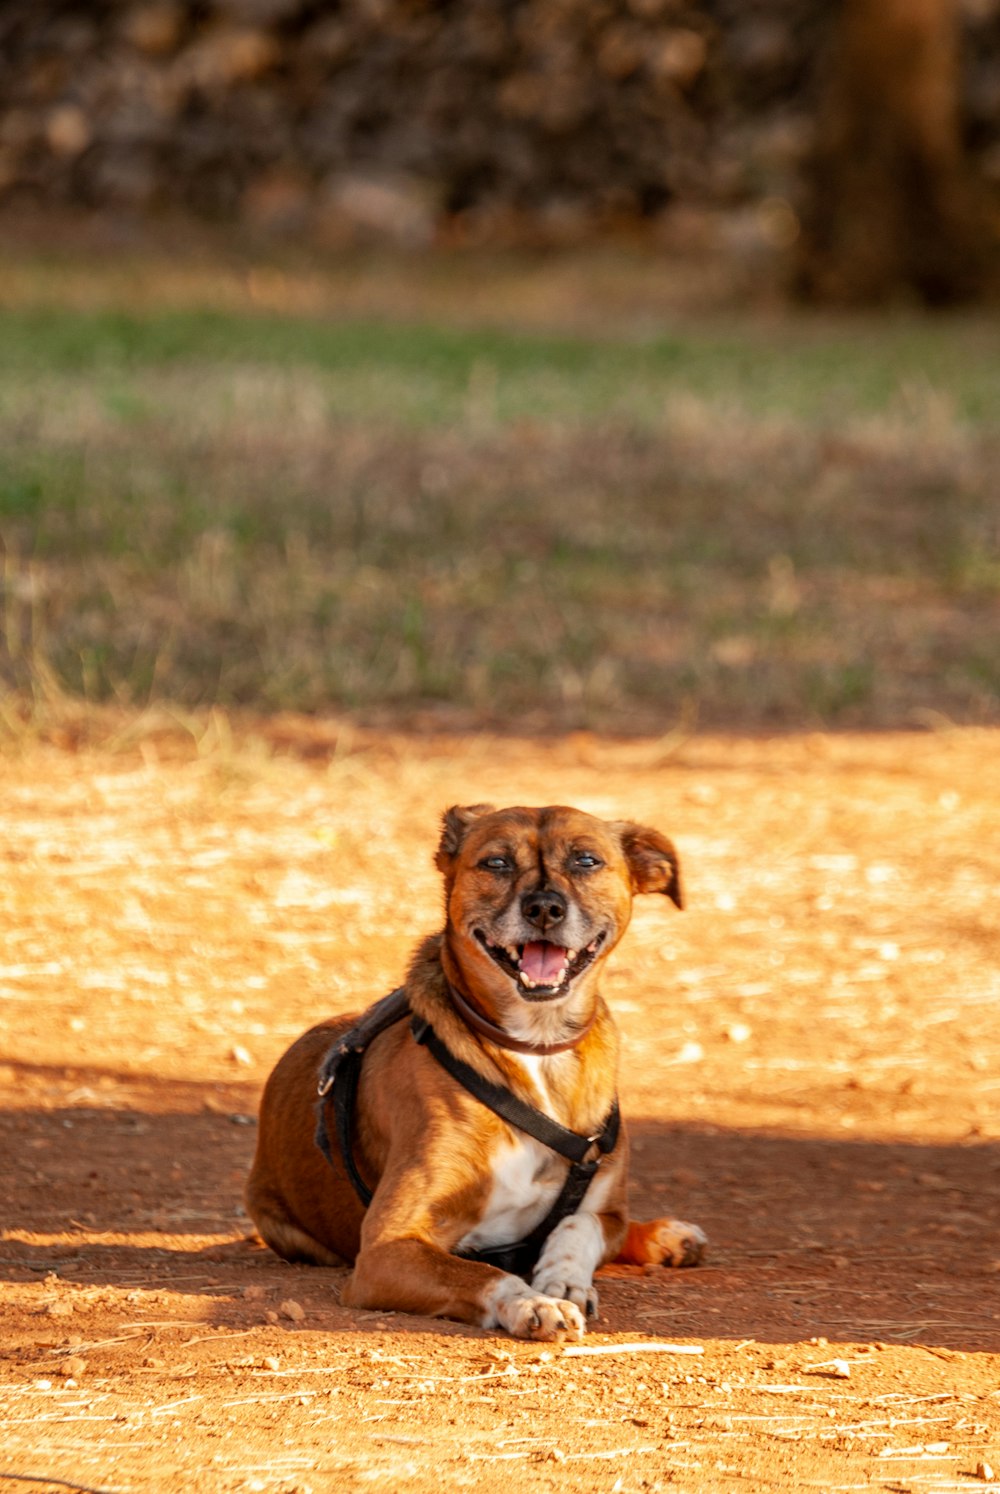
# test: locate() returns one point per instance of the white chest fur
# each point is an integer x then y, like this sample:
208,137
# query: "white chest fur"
526,1178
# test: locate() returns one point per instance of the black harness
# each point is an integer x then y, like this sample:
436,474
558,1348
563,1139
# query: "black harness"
341,1073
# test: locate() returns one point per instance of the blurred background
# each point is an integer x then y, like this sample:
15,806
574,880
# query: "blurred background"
610,364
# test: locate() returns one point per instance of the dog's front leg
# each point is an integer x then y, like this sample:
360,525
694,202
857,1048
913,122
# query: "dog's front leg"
412,1275
582,1242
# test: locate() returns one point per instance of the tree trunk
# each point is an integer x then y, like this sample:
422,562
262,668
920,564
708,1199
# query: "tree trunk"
892,210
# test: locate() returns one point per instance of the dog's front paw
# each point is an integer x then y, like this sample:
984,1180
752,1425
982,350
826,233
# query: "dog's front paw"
558,1282
665,1242
546,1319
526,1312
565,1268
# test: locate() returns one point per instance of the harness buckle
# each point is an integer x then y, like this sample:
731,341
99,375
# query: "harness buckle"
328,1073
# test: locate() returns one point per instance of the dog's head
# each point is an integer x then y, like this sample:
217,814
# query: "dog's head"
537,898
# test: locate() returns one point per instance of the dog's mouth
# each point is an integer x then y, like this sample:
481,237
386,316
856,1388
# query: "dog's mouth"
541,969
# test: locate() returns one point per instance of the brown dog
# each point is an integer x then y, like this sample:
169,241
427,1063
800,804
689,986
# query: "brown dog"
463,1114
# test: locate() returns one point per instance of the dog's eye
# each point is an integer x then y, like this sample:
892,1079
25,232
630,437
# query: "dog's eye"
495,864
587,861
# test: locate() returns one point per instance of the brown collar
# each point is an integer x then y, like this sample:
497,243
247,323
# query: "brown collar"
474,1018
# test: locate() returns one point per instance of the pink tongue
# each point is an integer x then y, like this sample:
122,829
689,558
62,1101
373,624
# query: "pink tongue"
543,962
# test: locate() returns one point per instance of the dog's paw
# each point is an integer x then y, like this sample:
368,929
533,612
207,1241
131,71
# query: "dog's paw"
526,1312
545,1319
665,1242
561,1286
565,1268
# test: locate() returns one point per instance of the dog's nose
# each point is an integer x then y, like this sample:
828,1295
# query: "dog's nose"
544,907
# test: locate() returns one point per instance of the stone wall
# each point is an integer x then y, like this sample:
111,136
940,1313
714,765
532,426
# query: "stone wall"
469,120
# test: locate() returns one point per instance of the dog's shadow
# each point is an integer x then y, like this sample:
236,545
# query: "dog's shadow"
848,1238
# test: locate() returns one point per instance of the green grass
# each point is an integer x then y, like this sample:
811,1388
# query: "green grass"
427,375
761,525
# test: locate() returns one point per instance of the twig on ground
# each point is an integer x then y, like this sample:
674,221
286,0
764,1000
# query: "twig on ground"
576,1350
172,1405
47,1478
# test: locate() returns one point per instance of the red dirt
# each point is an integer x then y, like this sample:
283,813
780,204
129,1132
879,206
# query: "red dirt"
811,1073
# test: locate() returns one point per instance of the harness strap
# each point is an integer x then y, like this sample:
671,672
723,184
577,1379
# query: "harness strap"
569,1144
341,1073
520,1258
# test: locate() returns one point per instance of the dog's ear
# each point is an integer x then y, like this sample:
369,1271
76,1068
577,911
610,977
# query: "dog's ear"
652,860
454,828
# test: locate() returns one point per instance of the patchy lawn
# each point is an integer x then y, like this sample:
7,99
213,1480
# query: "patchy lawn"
568,505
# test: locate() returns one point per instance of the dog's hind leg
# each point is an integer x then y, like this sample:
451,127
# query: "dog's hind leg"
663,1242
286,1238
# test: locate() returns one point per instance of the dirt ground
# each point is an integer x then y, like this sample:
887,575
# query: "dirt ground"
811,1072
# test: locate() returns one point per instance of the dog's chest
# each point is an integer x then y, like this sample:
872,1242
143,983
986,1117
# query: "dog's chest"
525,1179
526,1176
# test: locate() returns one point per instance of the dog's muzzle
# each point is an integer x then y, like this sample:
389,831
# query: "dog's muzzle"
541,968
